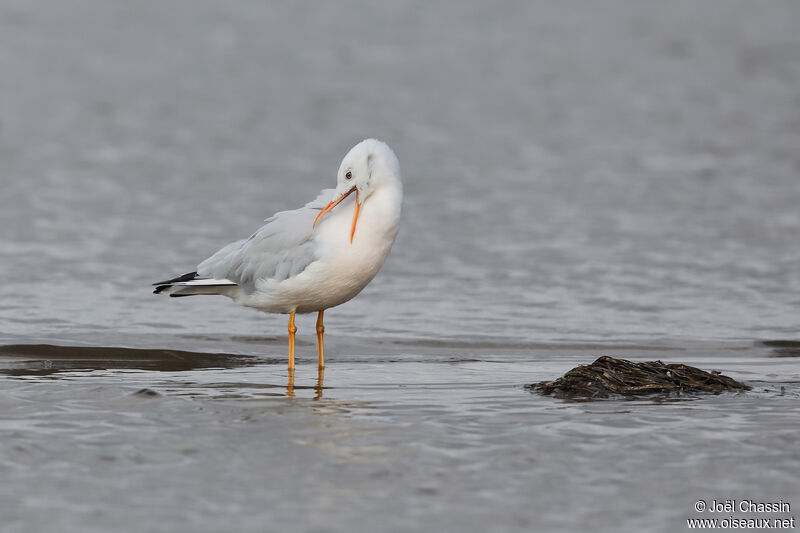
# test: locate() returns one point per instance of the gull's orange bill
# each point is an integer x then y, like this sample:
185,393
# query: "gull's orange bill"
334,203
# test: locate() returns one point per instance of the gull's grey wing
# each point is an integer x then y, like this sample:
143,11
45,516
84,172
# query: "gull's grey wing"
280,249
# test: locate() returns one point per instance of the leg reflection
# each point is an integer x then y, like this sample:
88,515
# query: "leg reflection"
290,385
320,377
317,389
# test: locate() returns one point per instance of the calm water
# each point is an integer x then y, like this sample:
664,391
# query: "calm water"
581,180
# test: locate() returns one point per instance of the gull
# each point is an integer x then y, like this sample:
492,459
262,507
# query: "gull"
313,258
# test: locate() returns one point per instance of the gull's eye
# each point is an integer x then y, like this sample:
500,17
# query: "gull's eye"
349,175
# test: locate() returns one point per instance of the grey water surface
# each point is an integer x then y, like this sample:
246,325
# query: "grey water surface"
581,178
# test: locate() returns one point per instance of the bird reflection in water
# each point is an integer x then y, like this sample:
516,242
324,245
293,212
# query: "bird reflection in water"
317,389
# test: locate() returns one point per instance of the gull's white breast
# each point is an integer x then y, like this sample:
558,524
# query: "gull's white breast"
341,269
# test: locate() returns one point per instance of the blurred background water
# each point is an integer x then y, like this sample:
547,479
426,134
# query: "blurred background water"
571,172
576,175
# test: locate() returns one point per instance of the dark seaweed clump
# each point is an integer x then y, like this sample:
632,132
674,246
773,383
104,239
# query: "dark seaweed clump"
608,375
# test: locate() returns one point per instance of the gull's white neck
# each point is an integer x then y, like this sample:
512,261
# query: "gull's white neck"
381,209
377,226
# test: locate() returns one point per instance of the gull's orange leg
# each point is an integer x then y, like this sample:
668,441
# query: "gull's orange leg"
292,331
320,333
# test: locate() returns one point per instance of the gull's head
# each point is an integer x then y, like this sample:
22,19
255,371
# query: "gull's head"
367,167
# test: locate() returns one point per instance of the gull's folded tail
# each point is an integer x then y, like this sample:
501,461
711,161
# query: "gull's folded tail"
191,284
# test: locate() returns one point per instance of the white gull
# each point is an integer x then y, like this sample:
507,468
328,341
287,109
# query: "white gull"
316,257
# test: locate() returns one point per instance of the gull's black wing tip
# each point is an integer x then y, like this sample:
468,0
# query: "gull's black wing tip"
161,285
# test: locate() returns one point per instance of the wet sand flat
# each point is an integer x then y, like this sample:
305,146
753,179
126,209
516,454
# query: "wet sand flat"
392,437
